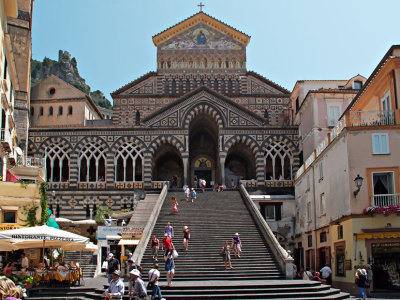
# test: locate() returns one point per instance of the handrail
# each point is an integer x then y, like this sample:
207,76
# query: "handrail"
283,258
148,229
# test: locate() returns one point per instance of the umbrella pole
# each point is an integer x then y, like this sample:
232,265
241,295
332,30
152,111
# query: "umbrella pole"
51,251
44,241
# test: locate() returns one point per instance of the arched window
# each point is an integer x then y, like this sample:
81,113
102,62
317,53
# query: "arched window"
230,86
187,85
50,110
32,111
41,111
216,85
237,86
226,64
180,86
92,163
60,110
57,163
223,86
137,117
278,161
201,82
173,87
70,110
128,163
266,116
194,84
209,83
166,86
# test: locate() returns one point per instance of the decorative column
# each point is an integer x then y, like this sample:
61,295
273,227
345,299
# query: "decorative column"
185,160
147,169
222,164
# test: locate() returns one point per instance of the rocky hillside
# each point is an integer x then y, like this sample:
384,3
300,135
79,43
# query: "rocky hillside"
66,69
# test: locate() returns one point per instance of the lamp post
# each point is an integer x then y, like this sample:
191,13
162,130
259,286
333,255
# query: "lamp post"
358,181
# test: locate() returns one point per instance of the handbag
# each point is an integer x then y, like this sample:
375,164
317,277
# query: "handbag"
105,265
175,253
150,285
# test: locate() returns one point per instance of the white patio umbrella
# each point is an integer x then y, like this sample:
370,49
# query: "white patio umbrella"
6,246
42,237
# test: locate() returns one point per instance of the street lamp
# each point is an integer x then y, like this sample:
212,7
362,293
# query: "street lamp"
358,181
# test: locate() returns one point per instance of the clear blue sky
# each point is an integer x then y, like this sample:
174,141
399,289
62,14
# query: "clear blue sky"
290,40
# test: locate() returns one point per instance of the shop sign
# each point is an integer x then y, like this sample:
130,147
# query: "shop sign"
103,231
131,232
347,264
112,242
4,226
385,245
378,235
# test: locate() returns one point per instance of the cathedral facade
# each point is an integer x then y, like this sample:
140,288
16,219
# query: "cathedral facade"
201,114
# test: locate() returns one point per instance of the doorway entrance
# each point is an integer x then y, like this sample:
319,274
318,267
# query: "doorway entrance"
204,174
203,150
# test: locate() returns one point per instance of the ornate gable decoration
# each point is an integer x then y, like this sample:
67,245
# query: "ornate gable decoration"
205,19
201,37
225,112
145,87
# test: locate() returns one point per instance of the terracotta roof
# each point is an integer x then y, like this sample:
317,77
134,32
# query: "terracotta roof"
273,84
371,77
193,16
132,83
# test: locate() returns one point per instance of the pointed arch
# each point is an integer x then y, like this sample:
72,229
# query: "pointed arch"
203,108
247,140
155,144
278,158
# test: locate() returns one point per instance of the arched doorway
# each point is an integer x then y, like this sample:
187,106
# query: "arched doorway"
240,164
203,149
167,165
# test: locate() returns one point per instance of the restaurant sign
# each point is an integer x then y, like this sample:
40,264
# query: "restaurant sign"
378,235
103,231
5,226
130,232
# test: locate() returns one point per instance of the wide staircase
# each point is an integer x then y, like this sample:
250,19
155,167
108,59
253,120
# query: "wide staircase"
87,261
200,273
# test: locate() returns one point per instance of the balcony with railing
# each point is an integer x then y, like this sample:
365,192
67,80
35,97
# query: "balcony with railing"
5,140
385,200
370,118
32,162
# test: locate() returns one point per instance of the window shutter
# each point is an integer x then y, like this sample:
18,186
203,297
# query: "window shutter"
278,209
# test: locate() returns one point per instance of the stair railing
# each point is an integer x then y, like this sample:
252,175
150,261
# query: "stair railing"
283,258
148,229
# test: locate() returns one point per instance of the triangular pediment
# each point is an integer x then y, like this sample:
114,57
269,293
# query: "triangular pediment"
201,18
54,88
203,100
201,37
143,85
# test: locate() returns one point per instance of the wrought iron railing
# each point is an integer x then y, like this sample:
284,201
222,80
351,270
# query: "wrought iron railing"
371,118
386,200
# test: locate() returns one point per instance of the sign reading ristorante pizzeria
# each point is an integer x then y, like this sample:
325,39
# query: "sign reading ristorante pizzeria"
41,237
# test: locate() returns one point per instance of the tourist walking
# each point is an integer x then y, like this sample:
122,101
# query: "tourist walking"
139,290
116,289
169,265
236,245
154,276
112,266
174,203
167,243
195,181
326,273
203,184
186,237
193,195
370,280
361,279
169,230
155,246
186,189
226,255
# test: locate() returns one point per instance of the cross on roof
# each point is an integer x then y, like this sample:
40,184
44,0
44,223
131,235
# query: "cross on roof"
201,6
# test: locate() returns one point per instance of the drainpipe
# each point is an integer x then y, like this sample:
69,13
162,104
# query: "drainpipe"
315,221
395,89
